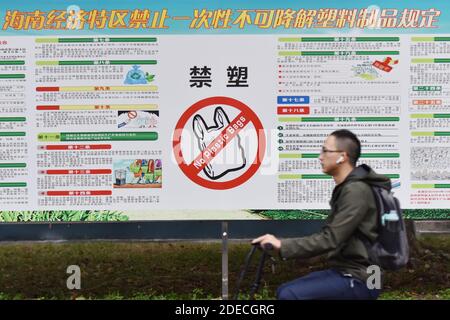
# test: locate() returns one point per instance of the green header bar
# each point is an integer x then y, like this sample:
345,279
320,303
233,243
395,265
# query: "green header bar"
12,119
364,119
430,60
97,136
442,133
430,134
430,116
337,119
430,186
12,62
320,176
442,60
299,155
337,53
12,76
316,176
304,176
377,39
307,39
310,155
441,38
94,62
441,115
339,39
13,165
429,39
13,184
12,134
380,155
101,39
318,119
393,176
427,88
377,53
316,155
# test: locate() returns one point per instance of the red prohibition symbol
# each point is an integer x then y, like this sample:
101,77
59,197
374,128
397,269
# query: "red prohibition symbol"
193,169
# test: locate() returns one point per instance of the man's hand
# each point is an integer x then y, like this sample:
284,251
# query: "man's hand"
268,239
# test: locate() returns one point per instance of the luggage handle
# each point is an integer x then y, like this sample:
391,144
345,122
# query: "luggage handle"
254,287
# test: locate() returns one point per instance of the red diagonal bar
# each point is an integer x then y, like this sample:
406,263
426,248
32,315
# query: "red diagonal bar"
225,136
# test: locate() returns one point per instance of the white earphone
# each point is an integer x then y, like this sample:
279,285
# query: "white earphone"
340,160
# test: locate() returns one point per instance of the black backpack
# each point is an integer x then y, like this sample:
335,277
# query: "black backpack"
390,250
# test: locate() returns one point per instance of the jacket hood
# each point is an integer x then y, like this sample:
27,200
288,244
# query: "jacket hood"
366,174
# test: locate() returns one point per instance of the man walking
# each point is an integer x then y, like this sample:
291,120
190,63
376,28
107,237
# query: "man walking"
353,215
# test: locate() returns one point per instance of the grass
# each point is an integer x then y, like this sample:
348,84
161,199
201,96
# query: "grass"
67,215
149,270
443,294
414,214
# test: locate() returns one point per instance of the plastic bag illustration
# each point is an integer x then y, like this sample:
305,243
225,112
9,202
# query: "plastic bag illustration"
136,76
218,166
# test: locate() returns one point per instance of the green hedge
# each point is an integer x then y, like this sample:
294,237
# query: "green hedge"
67,215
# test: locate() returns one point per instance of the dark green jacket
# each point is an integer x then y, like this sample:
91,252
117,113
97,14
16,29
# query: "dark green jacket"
353,210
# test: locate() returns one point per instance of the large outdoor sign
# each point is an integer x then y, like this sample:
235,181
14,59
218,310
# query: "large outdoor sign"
153,105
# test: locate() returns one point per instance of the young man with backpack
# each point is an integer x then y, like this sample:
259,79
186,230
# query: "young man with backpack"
351,235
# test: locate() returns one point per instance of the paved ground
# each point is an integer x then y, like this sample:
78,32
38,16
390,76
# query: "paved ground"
432,227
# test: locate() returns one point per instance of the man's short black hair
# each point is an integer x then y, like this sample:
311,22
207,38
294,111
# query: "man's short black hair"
348,142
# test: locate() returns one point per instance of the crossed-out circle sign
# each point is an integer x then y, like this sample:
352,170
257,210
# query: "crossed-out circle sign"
192,169
132,114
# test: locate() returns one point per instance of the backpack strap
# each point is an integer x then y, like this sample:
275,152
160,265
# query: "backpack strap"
386,198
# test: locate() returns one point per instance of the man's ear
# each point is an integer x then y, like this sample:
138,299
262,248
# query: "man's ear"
342,158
